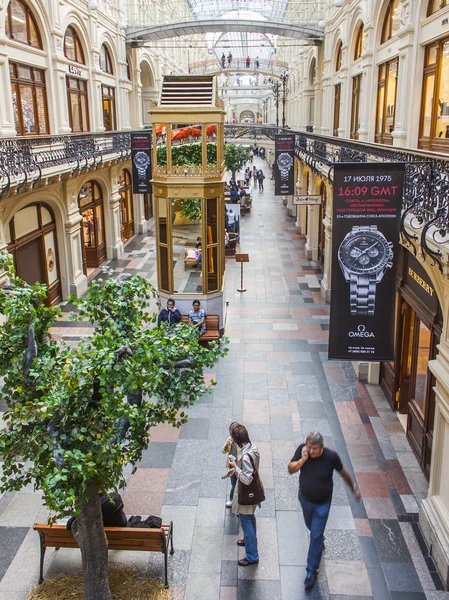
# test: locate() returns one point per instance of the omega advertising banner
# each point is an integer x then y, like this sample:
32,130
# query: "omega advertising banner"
284,170
367,204
141,157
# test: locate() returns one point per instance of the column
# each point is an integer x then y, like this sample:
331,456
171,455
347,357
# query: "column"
7,125
114,244
407,108
60,98
327,266
76,279
366,104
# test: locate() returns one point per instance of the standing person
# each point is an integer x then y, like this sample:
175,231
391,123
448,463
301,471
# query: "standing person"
260,178
248,62
223,60
231,449
229,59
257,63
245,469
170,315
317,465
197,317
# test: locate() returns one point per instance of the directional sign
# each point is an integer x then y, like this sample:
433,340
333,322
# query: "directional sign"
306,199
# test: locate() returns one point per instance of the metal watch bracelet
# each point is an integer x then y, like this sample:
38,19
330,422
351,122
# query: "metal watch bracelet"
362,288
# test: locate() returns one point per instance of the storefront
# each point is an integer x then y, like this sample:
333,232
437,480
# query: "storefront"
407,381
31,238
90,201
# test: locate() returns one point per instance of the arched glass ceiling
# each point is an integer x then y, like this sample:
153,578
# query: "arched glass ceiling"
269,10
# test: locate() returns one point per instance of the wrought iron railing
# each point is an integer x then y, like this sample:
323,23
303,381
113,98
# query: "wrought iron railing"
25,160
214,65
425,204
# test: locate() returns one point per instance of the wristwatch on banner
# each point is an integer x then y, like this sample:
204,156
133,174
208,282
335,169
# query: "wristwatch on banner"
285,162
141,160
364,256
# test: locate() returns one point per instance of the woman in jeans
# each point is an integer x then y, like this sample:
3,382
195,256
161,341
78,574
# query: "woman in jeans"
244,470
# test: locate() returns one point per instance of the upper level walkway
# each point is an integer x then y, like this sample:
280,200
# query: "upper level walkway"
273,68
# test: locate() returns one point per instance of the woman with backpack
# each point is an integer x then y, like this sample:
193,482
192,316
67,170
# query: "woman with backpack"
260,177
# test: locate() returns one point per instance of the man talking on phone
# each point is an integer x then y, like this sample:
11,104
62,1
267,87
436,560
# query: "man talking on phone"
317,465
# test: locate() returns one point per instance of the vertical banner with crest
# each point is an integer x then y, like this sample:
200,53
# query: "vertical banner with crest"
141,158
367,205
284,165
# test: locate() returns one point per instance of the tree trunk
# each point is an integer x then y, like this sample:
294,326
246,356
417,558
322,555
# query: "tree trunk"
233,174
89,532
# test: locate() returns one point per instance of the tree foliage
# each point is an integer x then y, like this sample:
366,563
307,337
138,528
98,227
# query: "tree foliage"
188,154
76,416
236,157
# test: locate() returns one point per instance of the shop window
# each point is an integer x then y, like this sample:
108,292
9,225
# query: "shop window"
147,207
337,102
32,241
359,41
392,21
90,202
106,60
126,205
78,104
339,59
386,102
21,26
29,97
436,5
73,49
434,130
109,114
355,106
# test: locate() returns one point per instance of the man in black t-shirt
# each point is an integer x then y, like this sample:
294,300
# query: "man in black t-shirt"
317,465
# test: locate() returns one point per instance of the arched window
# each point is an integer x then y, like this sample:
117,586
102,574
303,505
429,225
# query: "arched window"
339,59
106,60
90,202
21,26
358,48
392,21
73,49
436,5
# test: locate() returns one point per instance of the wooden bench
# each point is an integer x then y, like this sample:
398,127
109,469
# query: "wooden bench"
119,538
212,328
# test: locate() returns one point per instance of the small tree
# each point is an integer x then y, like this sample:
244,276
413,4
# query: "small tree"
76,416
236,157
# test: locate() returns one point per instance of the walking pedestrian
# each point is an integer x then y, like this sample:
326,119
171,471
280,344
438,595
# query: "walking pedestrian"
223,60
248,62
229,59
246,472
317,465
231,449
260,177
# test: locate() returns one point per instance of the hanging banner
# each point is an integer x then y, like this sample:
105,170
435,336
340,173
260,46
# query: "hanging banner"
284,171
367,205
141,158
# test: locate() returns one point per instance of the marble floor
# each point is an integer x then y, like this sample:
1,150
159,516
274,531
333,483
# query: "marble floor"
277,380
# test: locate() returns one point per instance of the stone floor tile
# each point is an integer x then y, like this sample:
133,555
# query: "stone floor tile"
342,545
283,449
419,563
292,584
340,517
267,477
256,589
348,578
389,541
177,593
293,539
206,551
267,540
363,527
228,576
256,412
210,513
372,485
228,593
159,455
229,548
178,566
282,429
311,410
203,586
401,577
11,540
164,432
286,493
378,585
24,510
195,429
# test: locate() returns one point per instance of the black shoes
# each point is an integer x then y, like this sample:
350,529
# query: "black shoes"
309,582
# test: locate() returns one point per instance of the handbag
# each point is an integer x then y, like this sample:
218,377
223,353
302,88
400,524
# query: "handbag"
254,493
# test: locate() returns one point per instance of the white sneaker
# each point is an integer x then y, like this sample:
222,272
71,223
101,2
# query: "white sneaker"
229,504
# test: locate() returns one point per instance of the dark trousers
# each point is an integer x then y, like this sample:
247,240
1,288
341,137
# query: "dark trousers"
315,518
233,484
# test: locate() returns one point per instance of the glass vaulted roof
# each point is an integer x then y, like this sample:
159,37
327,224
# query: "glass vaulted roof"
270,10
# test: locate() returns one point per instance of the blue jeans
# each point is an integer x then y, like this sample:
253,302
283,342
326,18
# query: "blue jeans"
248,523
233,484
315,518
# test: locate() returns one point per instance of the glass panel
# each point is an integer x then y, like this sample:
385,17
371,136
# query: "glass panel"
24,72
429,83
391,97
99,223
41,102
107,114
46,216
84,114
431,55
50,257
212,231
395,18
26,221
422,366
89,228
38,75
212,269
442,126
232,219
79,51
19,22
69,44
162,205
75,111
8,233
187,246
211,152
163,268
382,72
380,108
34,34
27,102
186,147
161,136
16,109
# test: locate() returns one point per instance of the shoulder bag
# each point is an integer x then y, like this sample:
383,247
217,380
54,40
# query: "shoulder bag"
253,493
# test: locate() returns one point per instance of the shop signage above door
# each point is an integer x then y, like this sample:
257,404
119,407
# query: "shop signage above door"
76,71
141,158
417,280
306,199
367,203
284,165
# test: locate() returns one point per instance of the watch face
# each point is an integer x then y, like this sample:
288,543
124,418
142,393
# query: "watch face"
285,161
364,253
141,159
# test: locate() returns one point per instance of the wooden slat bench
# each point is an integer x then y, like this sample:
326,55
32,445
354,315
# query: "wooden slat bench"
212,328
119,538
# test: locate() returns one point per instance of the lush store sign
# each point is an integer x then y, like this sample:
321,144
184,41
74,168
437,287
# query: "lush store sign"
367,204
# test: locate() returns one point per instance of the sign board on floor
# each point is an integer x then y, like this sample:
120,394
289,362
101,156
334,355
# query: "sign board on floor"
306,199
367,204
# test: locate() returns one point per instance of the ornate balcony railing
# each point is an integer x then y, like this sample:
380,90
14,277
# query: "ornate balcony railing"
25,161
425,204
